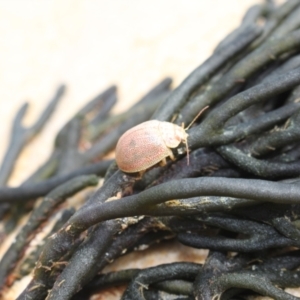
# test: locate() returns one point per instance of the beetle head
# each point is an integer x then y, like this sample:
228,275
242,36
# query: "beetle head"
179,136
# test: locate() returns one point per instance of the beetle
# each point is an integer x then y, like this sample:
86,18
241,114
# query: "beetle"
148,144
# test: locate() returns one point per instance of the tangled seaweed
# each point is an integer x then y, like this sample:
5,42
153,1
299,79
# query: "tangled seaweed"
239,196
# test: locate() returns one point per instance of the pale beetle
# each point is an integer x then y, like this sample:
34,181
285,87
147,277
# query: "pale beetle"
148,144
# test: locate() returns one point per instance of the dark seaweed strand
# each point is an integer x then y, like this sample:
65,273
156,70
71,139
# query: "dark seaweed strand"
269,212
196,205
294,97
118,182
46,170
153,294
208,132
38,125
175,287
289,260
260,124
70,158
251,17
155,95
112,169
109,101
290,23
276,17
101,248
278,138
202,162
27,190
283,218
291,154
271,270
227,172
69,134
257,11
282,278
107,280
134,205
32,191
158,91
20,135
116,121
203,73
273,69
112,279
146,277
278,71
29,263
99,101
17,211
50,167
180,224
152,238
259,167
95,253
247,280
68,138
92,251
108,142
145,233
38,216
216,263
287,227
291,63
66,157
66,145
258,236
241,71
259,190
283,65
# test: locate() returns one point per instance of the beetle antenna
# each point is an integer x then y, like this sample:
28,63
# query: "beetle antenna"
187,146
198,115
187,151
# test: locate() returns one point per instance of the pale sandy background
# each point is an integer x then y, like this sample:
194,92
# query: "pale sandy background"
91,44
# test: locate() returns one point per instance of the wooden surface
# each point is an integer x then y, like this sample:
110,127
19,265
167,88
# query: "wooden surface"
89,45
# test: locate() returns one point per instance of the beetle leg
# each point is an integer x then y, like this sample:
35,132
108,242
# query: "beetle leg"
163,162
140,174
171,155
127,191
